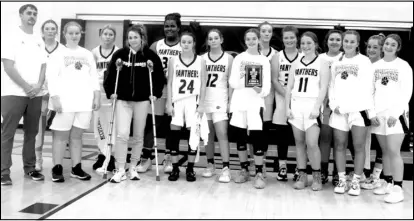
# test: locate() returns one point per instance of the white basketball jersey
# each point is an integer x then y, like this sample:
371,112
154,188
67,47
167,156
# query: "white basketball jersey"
307,78
216,98
270,54
102,63
330,59
50,54
187,78
165,52
284,67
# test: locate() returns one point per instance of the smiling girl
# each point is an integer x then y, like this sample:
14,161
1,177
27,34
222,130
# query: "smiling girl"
186,92
350,98
393,91
305,92
74,91
250,78
103,54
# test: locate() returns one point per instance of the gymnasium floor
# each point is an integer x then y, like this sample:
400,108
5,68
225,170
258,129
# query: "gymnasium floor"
203,199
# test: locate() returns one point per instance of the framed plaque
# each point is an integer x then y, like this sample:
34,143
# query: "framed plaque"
254,76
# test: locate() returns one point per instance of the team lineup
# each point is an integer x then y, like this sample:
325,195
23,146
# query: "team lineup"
319,97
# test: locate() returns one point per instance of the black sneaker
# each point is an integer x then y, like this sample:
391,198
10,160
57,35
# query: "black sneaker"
335,179
5,180
111,164
35,175
57,174
324,177
77,172
99,162
296,175
282,175
190,175
174,175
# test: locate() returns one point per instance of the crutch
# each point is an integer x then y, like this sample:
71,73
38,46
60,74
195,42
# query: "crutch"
150,66
109,144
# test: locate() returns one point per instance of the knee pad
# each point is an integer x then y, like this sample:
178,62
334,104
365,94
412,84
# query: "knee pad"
242,138
191,152
258,142
174,142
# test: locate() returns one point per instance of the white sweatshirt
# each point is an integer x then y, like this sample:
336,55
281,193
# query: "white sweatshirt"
247,98
351,87
73,77
393,86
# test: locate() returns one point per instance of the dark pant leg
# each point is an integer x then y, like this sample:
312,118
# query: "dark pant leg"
12,109
31,127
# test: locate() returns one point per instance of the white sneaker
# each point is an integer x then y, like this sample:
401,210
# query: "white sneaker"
351,174
384,189
118,176
168,164
371,183
209,170
259,181
355,189
38,165
342,186
396,195
225,176
144,166
133,173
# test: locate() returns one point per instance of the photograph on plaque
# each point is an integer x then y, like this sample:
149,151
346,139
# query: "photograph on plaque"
254,76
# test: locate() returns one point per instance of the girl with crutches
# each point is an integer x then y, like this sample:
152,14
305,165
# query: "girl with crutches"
133,97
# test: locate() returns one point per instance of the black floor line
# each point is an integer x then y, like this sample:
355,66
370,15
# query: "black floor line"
72,201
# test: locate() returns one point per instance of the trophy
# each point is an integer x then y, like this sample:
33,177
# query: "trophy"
254,76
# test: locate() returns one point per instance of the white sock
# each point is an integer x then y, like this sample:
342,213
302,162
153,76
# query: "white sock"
342,175
356,177
377,172
281,163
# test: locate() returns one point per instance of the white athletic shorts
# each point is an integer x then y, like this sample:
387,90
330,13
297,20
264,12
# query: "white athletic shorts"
345,122
401,126
251,119
184,111
217,116
279,117
301,109
64,121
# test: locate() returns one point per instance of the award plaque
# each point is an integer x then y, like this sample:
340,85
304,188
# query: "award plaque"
254,76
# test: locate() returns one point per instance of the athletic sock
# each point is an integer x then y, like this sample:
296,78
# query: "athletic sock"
259,169
388,179
377,172
398,183
226,164
210,160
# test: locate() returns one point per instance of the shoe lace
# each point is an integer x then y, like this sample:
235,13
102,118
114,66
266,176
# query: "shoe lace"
283,171
354,184
317,177
302,177
341,183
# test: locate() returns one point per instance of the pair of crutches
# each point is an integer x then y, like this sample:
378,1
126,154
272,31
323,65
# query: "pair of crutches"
108,149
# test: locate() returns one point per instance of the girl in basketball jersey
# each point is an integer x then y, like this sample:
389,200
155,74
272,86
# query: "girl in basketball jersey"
393,90
250,78
49,30
280,72
218,92
350,98
333,44
375,53
133,97
165,48
186,91
103,54
305,92
74,90
266,33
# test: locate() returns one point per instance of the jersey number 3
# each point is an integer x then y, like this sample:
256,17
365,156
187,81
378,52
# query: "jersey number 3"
183,87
